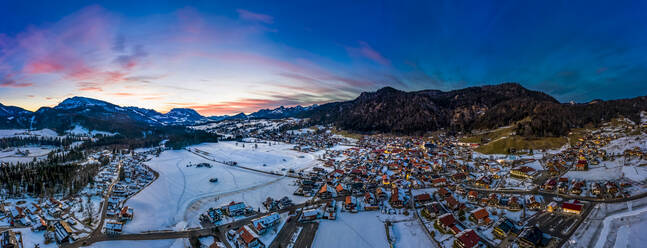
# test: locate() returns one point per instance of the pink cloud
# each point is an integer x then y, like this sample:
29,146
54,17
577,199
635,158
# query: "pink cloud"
9,83
365,50
252,16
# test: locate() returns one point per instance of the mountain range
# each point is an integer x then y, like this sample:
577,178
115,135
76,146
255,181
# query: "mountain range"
386,110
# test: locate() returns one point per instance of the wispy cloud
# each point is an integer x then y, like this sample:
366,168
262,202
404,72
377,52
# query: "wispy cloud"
366,51
10,83
252,16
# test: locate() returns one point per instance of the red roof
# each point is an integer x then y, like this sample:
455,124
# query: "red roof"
572,206
469,238
447,219
423,197
246,235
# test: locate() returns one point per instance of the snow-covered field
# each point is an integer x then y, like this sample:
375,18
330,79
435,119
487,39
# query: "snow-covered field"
31,239
629,226
266,157
411,234
164,243
82,131
4,133
180,194
363,229
38,152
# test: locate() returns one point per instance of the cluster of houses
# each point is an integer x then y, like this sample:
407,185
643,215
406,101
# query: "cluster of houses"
249,236
232,209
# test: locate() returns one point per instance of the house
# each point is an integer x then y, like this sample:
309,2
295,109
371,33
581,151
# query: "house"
127,213
114,227
235,208
8,239
430,211
308,215
262,224
472,196
442,192
452,203
447,223
574,208
349,203
62,231
324,193
396,200
532,237
342,190
503,227
480,216
422,198
582,165
513,203
248,238
439,182
533,203
380,194
552,207
466,239
523,172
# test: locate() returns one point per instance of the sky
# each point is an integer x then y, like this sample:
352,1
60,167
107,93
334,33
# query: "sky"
222,57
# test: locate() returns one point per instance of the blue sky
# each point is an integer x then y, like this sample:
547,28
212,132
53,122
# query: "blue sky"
227,57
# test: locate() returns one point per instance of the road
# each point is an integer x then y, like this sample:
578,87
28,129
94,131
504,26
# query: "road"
536,191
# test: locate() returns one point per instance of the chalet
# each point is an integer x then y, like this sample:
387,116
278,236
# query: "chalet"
532,237
574,208
262,224
430,211
349,204
439,182
442,192
452,203
523,172
396,200
324,193
62,231
582,165
9,239
380,194
248,239
127,214
533,203
447,223
235,209
552,207
550,185
577,188
513,203
472,196
480,216
503,228
309,215
483,182
466,239
422,198
342,190
370,199
114,228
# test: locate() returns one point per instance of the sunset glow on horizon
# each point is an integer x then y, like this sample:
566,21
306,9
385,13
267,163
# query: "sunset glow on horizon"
219,58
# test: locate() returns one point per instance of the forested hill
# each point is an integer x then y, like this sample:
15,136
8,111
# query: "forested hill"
535,113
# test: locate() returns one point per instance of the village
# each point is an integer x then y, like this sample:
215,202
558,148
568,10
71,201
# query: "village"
293,188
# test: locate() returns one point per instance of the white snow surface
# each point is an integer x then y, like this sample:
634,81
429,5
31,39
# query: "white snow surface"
359,230
163,243
177,198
